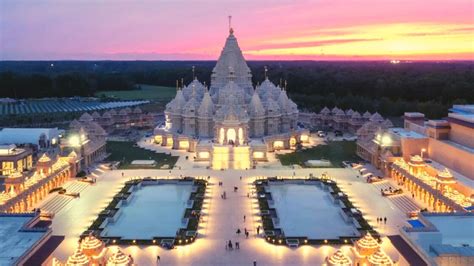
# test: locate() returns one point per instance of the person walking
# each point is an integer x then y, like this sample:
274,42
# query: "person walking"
385,220
244,218
238,231
246,234
258,230
254,263
237,245
158,259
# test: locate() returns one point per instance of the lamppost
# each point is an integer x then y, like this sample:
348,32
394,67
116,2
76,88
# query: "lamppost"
422,151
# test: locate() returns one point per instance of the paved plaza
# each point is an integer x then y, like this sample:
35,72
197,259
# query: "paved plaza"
221,218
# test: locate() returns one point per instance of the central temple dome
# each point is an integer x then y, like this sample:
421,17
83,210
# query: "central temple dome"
231,62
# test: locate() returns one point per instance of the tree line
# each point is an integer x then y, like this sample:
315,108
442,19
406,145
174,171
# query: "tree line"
390,89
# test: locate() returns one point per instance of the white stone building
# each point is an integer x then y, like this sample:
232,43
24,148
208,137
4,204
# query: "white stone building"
232,124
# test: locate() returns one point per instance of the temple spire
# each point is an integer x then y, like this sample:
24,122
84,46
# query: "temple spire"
194,74
266,70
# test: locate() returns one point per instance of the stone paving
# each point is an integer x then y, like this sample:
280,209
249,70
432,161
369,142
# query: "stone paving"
222,218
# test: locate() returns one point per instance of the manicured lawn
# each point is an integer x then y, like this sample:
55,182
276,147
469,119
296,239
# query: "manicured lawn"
335,151
147,92
126,152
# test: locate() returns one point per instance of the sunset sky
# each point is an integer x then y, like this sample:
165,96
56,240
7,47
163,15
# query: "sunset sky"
271,29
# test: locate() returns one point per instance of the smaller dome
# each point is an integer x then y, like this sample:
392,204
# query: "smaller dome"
91,245
367,244
206,108
95,115
387,123
78,259
44,158
334,110
416,161
339,112
256,108
338,258
356,115
445,177
137,110
366,115
325,111
380,258
74,124
86,117
179,101
113,112
107,115
119,259
349,112
376,117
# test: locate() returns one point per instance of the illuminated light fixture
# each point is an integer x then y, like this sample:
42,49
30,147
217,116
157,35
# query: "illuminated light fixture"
306,241
345,240
180,241
154,241
279,241
134,241
74,141
113,241
386,140
325,241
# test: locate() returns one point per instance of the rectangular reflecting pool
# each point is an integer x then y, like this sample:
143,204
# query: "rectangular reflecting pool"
153,210
306,210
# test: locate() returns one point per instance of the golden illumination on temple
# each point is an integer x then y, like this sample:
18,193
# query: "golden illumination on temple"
338,258
367,245
410,174
119,259
44,158
78,258
380,258
94,248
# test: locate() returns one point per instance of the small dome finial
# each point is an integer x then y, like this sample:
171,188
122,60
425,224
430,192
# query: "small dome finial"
231,30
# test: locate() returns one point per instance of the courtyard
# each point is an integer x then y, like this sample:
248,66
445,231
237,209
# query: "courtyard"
221,218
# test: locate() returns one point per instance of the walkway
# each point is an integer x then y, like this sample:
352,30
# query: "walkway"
56,202
222,218
402,201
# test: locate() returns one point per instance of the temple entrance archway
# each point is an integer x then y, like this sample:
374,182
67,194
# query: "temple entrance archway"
231,135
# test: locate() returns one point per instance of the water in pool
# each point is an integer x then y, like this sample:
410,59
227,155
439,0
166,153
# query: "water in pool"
306,210
154,210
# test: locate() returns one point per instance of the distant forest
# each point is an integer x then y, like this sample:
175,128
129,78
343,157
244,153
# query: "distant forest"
390,89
